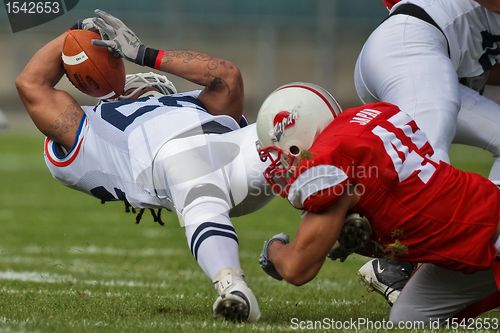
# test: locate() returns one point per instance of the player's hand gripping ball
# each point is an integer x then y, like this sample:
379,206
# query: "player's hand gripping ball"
356,233
91,69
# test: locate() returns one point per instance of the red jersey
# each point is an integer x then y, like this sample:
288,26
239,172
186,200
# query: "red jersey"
421,209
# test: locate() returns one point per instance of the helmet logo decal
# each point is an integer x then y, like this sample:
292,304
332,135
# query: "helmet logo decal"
282,121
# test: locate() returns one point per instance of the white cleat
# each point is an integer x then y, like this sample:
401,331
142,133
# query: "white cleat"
236,302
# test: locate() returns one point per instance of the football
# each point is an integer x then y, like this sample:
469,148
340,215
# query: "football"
92,70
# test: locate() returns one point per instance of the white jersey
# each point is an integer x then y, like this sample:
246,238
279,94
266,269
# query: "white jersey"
472,31
114,153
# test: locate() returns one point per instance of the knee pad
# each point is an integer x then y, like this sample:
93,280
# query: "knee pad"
204,190
205,202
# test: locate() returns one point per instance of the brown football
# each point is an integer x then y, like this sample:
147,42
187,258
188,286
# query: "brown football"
92,69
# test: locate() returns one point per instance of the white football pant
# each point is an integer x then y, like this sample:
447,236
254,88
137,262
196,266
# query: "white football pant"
416,73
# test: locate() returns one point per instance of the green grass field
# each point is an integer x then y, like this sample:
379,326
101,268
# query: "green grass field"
70,264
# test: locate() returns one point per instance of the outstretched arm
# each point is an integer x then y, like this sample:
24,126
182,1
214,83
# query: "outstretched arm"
54,112
300,261
223,92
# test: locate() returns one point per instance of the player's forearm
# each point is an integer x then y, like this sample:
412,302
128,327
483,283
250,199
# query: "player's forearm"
294,266
45,68
223,93
299,261
200,68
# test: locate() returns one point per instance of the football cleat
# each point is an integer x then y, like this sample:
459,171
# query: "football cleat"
386,277
236,302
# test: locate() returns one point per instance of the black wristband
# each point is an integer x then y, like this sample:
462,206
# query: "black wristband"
150,56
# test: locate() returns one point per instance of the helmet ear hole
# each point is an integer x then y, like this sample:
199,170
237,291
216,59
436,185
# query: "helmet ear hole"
294,150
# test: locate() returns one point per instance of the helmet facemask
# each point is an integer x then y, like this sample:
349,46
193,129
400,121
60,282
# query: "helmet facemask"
281,168
134,83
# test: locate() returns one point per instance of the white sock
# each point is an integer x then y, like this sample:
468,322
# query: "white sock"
211,236
216,253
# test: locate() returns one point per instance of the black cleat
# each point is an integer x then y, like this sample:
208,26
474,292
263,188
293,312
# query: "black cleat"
386,277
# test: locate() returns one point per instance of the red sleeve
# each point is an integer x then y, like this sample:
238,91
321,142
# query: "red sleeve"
317,187
320,201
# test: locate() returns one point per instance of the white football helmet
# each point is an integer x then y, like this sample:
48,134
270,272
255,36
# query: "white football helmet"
288,122
138,81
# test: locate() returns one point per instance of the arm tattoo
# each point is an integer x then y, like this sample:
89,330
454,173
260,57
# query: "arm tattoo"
66,122
215,81
185,56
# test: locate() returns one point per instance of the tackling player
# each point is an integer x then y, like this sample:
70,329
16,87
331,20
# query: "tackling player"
374,160
432,59
155,148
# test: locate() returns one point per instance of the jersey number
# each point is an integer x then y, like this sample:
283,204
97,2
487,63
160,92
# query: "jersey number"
405,160
110,111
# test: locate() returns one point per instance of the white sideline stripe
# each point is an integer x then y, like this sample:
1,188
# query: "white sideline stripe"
69,292
21,324
75,60
113,251
44,277
78,267
90,293
30,277
107,250
4,322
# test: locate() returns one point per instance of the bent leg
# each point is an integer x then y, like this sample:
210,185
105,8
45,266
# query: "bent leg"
405,62
435,293
196,178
